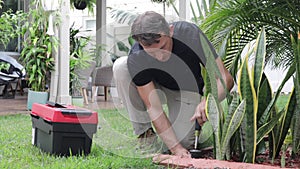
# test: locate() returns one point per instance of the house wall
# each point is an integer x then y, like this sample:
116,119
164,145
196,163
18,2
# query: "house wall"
120,32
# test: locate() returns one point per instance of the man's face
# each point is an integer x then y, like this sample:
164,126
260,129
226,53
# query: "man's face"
162,50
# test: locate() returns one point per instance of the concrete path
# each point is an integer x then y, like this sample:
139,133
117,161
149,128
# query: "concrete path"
18,105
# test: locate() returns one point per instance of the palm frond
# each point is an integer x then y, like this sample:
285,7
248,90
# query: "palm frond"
123,16
237,22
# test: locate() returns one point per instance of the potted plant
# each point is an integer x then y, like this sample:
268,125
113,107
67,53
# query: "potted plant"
82,4
36,55
81,66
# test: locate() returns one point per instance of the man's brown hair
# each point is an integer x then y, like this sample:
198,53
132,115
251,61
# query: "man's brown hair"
148,27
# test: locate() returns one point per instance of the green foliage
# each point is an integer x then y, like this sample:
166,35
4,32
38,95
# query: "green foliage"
123,16
249,125
223,126
254,88
261,116
122,47
4,66
232,25
10,26
296,117
224,129
203,7
80,58
38,48
253,116
96,51
281,129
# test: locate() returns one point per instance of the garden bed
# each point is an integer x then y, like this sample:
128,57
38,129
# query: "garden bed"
263,162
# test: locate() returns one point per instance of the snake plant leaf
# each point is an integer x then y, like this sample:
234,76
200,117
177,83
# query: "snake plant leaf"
271,104
206,82
260,53
267,127
249,125
210,66
213,115
285,123
234,123
264,98
232,107
296,127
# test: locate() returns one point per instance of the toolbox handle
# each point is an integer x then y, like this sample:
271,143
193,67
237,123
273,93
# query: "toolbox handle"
47,120
77,112
32,114
54,104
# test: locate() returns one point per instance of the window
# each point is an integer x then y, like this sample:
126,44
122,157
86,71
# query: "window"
90,24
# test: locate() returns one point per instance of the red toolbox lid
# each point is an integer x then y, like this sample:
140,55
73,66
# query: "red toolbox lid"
64,114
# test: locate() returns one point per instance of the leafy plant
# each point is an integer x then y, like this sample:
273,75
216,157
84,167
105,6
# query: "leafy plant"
232,24
224,124
38,48
296,118
255,93
224,128
79,58
261,108
123,48
9,27
123,16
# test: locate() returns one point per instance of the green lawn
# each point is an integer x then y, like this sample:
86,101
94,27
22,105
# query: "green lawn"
114,146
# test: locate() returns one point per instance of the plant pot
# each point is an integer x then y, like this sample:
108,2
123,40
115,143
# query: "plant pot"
80,5
36,97
77,101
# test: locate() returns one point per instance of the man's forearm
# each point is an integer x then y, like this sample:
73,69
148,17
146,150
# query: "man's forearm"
158,117
227,78
164,129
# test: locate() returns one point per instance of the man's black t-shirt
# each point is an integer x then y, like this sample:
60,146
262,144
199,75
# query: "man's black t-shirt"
182,71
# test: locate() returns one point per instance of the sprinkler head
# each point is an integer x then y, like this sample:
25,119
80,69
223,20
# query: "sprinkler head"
196,153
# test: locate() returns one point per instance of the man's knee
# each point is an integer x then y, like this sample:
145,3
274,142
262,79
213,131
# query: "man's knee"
120,69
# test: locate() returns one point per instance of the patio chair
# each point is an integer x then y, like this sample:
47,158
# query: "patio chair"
103,76
11,72
84,76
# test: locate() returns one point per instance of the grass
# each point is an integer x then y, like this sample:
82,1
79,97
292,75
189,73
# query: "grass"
112,146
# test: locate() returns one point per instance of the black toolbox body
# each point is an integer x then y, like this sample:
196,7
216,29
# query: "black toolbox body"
63,130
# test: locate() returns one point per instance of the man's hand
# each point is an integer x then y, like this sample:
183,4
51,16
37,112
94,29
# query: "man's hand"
178,150
200,114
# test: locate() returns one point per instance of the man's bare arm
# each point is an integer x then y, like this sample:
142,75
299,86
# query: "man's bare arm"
200,114
160,120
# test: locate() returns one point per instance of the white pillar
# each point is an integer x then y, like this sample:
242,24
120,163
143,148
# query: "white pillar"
101,29
59,90
184,7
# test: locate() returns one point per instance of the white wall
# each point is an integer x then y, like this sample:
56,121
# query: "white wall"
276,76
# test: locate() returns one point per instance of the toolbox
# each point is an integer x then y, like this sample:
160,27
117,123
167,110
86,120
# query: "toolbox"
63,130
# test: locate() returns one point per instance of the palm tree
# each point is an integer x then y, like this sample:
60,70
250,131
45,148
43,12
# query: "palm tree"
234,23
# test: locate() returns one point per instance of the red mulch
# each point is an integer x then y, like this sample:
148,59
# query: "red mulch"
207,161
